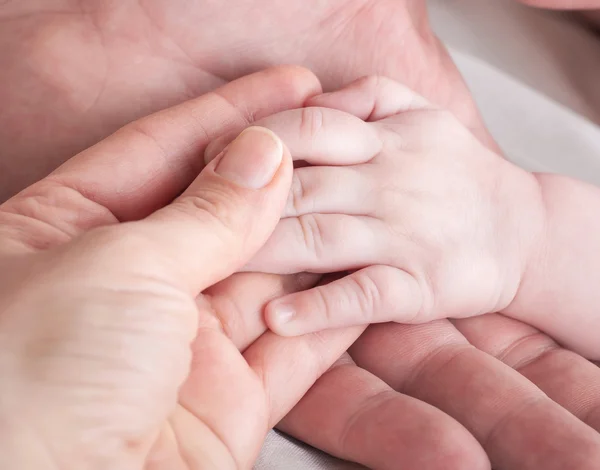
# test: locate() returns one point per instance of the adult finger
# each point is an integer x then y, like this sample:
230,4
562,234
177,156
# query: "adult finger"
223,217
235,418
280,369
567,378
288,367
237,303
319,136
379,427
516,423
150,161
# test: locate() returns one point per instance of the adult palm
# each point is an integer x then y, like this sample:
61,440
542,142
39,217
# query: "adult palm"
74,70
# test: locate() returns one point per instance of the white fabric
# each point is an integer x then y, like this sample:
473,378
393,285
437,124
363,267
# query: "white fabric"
536,78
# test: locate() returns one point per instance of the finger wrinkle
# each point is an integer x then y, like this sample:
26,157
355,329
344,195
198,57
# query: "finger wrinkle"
365,409
527,350
213,318
496,431
246,115
453,351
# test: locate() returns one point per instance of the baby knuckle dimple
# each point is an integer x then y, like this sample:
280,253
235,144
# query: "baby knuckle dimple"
312,234
368,294
433,295
311,122
450,132
297,195
388,195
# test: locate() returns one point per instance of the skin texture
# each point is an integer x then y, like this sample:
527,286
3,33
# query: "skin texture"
111,356
433,224
75,71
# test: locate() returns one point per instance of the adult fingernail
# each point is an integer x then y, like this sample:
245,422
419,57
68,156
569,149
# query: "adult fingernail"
252,159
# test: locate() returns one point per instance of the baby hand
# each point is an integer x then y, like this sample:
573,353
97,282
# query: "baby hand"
430,223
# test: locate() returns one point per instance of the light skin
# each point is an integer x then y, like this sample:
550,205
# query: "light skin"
116,352
75,71
405,408
433,224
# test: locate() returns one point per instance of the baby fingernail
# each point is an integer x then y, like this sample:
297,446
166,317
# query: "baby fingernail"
282,313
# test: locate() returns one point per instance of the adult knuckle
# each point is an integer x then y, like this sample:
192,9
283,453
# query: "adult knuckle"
512,415
370,406
215,207
143,132
51,213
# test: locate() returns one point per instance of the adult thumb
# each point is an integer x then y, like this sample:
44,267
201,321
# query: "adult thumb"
226,214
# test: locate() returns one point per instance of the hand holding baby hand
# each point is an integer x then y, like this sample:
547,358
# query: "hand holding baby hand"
431,223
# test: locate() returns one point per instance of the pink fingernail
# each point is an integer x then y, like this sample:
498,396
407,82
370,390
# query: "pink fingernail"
252,159
283,313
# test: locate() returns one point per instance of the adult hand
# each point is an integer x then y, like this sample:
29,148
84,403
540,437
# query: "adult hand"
109,355
75,71
75,75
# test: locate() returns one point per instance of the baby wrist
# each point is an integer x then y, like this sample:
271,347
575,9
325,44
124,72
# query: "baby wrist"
530,240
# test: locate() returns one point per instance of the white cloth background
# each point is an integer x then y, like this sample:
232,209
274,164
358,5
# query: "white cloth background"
536,78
